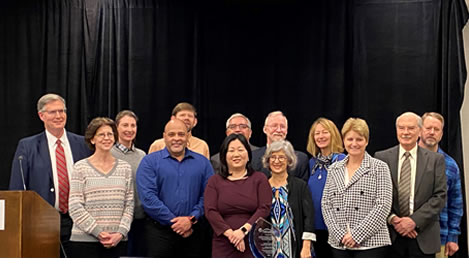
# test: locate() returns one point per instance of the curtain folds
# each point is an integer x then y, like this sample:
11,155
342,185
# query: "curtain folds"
372,59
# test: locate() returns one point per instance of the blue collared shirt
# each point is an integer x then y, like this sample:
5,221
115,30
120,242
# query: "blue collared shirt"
450,216
169,188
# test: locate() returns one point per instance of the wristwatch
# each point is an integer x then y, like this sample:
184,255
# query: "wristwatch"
244,230
192,219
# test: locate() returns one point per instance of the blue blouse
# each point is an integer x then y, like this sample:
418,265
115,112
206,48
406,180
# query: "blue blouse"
316,182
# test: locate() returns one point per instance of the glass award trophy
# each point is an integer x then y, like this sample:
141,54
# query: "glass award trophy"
263,239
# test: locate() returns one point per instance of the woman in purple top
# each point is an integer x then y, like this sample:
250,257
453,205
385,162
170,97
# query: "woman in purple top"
325,145
234,199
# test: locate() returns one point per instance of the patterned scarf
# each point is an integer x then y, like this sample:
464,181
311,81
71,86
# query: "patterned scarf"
323,161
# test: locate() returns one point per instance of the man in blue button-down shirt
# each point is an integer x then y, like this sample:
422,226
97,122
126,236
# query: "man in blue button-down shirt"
171,184
450,216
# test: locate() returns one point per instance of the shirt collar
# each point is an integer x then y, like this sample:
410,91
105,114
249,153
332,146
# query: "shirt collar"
124,148
52,140
413,152
187,153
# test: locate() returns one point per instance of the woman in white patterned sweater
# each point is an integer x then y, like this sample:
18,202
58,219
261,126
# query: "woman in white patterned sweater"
101,198
357,198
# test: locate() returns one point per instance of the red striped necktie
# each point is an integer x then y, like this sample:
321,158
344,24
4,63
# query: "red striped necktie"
62,175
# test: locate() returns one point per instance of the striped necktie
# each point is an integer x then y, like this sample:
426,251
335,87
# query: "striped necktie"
404,186
62,175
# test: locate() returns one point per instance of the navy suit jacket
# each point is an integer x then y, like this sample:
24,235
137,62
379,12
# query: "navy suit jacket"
301,170
37,166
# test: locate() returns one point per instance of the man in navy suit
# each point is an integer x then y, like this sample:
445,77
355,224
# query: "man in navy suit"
276,128
37,162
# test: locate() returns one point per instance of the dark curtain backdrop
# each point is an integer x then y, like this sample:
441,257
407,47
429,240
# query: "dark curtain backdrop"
335,58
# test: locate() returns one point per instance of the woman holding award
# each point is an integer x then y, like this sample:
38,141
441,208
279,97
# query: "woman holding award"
292,210
234,199
357,198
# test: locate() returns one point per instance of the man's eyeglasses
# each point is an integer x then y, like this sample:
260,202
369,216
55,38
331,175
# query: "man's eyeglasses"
241,126
275,126
54,112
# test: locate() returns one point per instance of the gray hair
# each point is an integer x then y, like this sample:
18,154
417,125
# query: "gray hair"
50,97
275,113
238,115
281,145
419,119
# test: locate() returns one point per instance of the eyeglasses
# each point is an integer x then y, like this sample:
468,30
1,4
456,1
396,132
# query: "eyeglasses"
280,158
55,112
275,126
241,126
103,135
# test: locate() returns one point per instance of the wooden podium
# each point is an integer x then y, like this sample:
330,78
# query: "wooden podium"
31,226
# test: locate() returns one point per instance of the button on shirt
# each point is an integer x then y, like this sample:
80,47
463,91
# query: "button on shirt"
413,171
169,188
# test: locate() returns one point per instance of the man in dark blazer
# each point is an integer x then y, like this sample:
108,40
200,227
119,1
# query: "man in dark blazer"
276,128
236,124
414,220
35,165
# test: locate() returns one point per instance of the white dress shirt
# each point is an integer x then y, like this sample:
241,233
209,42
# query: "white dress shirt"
52,144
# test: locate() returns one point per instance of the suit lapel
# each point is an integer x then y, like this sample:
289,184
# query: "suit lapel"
43,148
362,170
421,162
74,149
338,175
394,164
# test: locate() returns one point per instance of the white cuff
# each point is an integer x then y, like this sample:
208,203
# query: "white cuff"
309,236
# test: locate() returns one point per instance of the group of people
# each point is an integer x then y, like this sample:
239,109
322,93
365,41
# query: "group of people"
115,200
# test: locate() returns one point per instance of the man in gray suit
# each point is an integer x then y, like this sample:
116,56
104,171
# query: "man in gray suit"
236,124
419,192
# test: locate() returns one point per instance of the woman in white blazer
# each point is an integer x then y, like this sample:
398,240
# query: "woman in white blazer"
357,198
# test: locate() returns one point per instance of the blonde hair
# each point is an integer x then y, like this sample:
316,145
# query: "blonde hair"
358,125
336,140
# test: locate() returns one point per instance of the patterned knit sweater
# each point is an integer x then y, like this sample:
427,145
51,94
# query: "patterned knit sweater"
100,202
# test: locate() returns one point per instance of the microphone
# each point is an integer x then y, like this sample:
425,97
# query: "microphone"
20,159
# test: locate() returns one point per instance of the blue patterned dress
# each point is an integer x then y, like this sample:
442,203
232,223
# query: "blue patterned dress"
282,218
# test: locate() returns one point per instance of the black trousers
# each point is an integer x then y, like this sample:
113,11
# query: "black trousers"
380,252
66,224
163,242
321,247
404,247
136,245
96,250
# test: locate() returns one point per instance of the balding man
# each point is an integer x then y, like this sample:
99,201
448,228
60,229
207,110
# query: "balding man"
236,124
419,192
171,184
276,128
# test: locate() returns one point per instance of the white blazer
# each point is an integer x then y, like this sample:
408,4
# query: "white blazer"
362,206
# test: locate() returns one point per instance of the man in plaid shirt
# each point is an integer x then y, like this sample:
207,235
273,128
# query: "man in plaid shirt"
451,214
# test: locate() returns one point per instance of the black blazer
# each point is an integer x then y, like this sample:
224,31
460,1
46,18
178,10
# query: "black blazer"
301,204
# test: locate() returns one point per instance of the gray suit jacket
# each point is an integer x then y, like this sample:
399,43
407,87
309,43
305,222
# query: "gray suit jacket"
429,195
